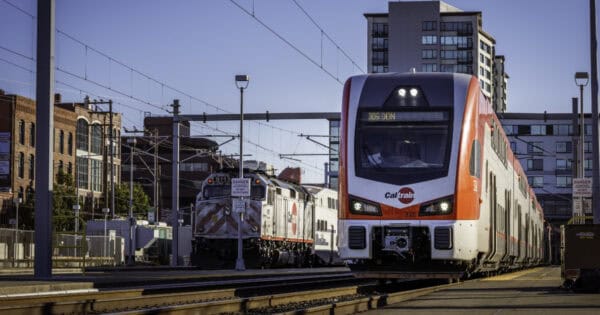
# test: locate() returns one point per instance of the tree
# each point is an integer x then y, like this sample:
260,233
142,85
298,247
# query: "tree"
63,198
141,202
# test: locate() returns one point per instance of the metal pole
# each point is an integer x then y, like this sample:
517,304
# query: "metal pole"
239,263
131,259
16,251
594,97
155,187
575,149
582,146
43,147
175,187
112,163
105,240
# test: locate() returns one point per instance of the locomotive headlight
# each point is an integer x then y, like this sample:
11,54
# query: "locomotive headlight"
402,92
363,207
414,92
437,207
444,206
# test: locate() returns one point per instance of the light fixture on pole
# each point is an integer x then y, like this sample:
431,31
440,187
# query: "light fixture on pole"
581,80
17,201
130,259
241,81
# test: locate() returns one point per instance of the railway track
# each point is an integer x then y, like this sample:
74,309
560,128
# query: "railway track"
303,294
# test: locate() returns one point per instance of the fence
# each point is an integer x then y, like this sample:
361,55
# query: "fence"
17,249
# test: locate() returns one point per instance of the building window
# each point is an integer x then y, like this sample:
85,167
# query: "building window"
429,40
429,67
378,43
588,130
96,175
587,147
82,135
61,142
21,132
96,141
82,172
380,58
534,148
61,166
458,41
70,143
21,167
564,164
380,69
32,135
429,54
538,130
70,168
563,181
380,29
513,146
535,165
429,25
564,147
510,130
31,166
588,164
536,181
563,130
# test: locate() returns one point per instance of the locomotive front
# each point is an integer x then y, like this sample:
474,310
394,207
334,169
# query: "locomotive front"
398,171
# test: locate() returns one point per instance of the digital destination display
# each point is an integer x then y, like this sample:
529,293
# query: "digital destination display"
404,116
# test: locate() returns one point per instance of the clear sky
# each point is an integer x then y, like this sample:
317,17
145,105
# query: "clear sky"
199,46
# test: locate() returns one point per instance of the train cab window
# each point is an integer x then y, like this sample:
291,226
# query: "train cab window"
257,192
475,161
400,147
216,191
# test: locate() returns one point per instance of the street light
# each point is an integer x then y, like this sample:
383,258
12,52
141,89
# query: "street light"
130,260
17,201
241,81
581,80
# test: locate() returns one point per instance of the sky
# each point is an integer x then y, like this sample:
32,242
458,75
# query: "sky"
197,47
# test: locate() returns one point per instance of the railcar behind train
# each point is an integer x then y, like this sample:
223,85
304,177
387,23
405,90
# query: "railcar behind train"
428,182
281,225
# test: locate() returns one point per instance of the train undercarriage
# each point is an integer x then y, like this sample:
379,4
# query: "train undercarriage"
258,253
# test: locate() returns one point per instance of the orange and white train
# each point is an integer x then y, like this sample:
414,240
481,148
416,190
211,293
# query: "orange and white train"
428,184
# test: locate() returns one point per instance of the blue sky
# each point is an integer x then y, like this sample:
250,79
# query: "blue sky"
199,46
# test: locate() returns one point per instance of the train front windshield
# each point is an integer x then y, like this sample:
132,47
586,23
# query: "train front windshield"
402,147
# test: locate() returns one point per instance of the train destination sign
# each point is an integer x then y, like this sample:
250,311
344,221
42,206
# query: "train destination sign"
404,116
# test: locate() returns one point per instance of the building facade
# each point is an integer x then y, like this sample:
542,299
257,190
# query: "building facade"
432,36
79,146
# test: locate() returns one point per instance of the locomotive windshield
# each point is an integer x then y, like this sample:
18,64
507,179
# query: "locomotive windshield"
401,147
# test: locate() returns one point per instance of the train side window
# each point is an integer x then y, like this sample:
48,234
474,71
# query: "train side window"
474,163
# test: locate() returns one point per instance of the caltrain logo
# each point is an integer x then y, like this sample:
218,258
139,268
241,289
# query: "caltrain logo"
405,195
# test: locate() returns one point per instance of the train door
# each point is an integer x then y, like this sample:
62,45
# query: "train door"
527,236
520,233
507,232
493,208
286,217
278,212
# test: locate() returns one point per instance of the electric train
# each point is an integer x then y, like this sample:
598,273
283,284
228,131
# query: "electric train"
428,185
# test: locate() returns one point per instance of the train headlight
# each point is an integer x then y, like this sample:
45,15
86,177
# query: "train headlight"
438,207
414,92
364,207
402,92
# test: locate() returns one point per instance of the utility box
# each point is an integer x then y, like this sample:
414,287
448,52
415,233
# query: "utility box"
580,259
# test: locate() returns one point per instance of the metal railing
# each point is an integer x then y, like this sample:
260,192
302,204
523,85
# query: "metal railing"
17,249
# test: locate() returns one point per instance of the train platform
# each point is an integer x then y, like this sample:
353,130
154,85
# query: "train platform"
22,283
532,291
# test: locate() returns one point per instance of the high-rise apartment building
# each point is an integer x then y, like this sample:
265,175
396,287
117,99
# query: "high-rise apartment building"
433,36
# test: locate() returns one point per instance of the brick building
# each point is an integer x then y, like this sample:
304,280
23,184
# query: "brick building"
79,149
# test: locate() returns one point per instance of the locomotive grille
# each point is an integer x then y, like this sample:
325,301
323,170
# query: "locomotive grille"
357,237
443,238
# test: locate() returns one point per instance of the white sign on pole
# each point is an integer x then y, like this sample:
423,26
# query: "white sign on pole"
582,187
239,206
587,206
240,187
577,205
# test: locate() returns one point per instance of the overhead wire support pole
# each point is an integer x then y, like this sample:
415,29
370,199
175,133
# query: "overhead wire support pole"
594,97
45,143
175,187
